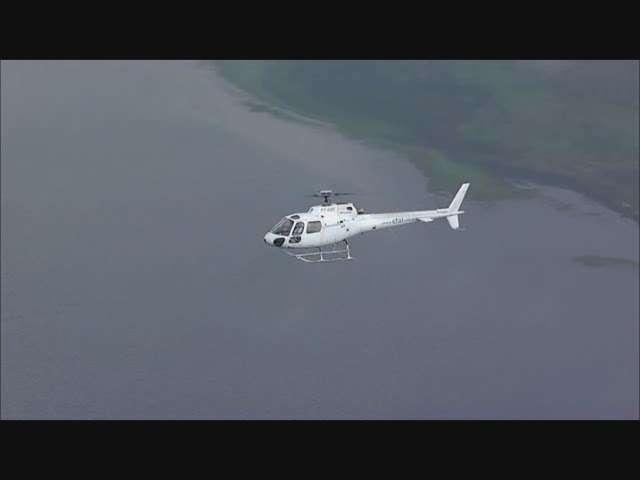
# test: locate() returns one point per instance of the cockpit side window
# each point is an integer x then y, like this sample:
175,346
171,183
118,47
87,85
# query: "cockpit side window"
283,227
298,228
313,227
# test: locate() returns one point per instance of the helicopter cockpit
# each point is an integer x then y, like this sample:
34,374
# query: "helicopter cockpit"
283,227
294,227
297,230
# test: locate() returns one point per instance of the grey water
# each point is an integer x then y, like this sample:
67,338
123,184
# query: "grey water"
136,285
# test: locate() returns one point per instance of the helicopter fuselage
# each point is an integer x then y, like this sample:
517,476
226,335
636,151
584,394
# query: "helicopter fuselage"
331,223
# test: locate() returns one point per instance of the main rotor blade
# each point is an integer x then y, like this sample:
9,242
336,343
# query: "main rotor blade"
338,194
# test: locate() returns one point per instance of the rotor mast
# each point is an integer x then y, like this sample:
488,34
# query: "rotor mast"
327,194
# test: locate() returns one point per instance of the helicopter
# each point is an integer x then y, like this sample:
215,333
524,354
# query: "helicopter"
333,223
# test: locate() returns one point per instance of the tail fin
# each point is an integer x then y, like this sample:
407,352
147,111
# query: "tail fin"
453,222
454,208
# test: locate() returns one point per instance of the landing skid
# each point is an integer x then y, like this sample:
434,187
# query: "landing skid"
321,256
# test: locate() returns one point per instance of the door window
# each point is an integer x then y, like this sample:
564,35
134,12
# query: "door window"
313,227
298,228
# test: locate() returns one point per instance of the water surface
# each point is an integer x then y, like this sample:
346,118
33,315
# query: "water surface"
135,282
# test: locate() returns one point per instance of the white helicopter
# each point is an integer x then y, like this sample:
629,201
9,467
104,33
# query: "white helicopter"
333,223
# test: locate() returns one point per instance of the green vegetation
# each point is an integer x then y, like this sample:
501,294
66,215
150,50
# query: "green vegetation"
446,176
571,123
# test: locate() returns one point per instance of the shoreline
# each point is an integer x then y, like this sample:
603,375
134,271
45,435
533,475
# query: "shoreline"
442,165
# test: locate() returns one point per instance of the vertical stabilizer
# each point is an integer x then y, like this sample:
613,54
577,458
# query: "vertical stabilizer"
453,222
454,208
457,200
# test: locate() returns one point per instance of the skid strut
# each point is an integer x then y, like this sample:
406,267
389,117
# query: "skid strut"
321,256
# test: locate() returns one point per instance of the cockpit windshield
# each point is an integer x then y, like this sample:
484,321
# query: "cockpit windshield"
283,227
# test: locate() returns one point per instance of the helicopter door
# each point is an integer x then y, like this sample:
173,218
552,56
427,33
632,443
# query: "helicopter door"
329,215
314,233
330,224
296,233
